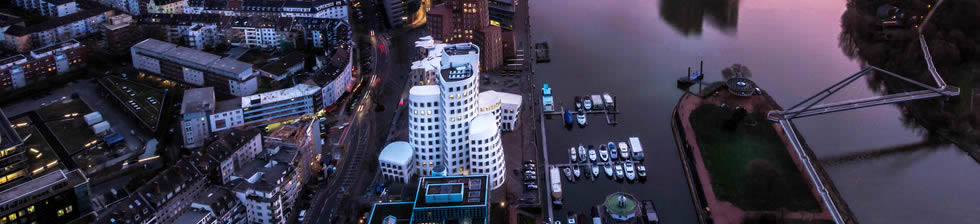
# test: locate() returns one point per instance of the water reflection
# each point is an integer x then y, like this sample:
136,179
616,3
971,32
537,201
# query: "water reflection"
687,16
884,36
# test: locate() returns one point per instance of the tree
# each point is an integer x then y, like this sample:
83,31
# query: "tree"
736,71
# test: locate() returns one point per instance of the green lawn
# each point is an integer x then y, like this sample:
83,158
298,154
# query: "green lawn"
749,166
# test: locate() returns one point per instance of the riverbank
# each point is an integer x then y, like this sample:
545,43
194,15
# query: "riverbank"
741,167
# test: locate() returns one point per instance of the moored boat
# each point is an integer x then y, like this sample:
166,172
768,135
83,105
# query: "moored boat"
630,172
609,100
581,117
569,118
641,171
581,153
592,154
603,153
572,155
555,186
568,173
547,99
624,150
595,170
578,103
587,102
576,171
636,148
613,154
609,170
619,171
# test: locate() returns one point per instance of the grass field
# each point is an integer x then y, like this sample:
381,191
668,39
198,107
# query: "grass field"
749,166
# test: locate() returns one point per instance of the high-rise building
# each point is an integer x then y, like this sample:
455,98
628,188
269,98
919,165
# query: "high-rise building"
448,126
462,21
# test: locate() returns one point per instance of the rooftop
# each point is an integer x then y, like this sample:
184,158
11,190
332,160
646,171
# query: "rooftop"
219,199
279,67
8,136
267,171
192,216
475,191
198,100
52,23
483,124
299,90
65,120
228,105
203,59
400,211
41,185
132,209
229,142
424,90
169,183
488,97
398,152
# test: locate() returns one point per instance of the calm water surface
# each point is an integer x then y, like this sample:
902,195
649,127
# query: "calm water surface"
636,49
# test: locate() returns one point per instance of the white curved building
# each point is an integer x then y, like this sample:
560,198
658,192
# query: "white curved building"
395,162
443,117
425,127
486,151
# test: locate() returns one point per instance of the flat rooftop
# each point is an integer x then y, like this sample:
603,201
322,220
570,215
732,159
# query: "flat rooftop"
300,90
40,185
475,191
144,101
8,136
231,67
198,100
400,211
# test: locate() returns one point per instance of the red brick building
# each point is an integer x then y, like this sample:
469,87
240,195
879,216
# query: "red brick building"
461,21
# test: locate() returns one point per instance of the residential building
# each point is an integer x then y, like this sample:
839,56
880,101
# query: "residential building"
163,199
279,105
198,31
21,70
166,6
50,8
462,21
424,70
234,147
197,68
445,199
55,30
269,185
220,204
197,105
303,135
335,76
449,123
258,31
120,33
320,9
132,7
396,162
283,67
171,190
227,114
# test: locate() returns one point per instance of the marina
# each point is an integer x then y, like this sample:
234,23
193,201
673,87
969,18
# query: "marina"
604,104
585,160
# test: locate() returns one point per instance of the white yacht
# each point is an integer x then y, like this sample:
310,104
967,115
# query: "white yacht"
572,155
619,171
609,170
630,171
603,153
624,150
592,154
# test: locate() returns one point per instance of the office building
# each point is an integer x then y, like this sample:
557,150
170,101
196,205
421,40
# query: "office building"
22,70
197,105
397,11
197,68
502,13
439,199
504,107
462,21
59,196
449,123
280,105
396,162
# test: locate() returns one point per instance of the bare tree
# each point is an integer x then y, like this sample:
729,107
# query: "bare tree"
736,70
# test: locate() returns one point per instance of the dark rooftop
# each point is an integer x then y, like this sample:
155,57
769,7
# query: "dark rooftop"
8,136
401,211
230,141
475,190
280,66
219,199
169,183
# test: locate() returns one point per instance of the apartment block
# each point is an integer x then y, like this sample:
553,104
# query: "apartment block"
197,68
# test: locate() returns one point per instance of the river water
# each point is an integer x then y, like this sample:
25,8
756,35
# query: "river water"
636,49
